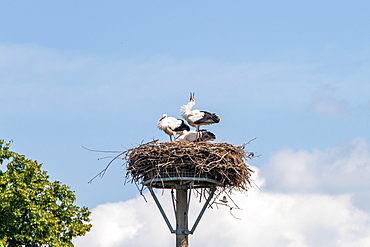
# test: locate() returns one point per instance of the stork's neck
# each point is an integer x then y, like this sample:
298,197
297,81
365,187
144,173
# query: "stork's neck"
187,108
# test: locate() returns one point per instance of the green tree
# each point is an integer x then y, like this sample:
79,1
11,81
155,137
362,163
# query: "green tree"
33,210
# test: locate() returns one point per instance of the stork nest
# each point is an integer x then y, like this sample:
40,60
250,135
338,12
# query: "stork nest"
222,162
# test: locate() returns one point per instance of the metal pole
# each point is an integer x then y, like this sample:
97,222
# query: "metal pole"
182,231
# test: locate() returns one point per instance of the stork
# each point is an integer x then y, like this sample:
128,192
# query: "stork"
191,136
172,126
196,118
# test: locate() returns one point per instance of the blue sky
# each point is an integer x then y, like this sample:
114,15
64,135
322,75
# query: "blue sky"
294,74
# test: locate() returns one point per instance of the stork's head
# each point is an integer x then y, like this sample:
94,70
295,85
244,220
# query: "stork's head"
163,117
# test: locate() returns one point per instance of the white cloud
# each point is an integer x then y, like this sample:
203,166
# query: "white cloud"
266,219
273,219
114,227
342,169
129,223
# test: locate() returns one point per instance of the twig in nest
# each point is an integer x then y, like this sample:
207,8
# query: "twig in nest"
100,151
231,208
256,185
225,203
242,146
101,174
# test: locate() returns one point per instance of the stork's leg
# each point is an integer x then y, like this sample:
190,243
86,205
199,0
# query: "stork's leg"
170,138
198,135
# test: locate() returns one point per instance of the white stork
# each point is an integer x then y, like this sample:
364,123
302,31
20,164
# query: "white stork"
172,126
191,136
196,118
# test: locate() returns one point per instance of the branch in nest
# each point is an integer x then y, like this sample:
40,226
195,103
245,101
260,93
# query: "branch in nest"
100,151
101,174
242,146
224,202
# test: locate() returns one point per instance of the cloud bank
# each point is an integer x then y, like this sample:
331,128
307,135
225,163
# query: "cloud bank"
302,213
341,169
267,219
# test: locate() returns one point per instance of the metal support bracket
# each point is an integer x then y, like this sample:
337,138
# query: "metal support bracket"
161,209
183,231
213,189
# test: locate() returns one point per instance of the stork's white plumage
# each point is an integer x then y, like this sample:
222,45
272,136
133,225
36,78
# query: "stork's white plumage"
172,126
196,118
191,136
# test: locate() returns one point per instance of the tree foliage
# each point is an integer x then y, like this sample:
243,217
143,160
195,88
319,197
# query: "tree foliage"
33,210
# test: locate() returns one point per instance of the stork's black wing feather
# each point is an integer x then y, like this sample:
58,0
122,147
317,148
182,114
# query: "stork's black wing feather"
208,118
183,126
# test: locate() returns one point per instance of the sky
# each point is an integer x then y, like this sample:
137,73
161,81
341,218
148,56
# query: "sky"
293,74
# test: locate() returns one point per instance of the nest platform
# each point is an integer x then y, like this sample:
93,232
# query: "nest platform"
202,164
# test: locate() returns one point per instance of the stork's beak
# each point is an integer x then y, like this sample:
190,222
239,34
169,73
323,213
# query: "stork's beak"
191,97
